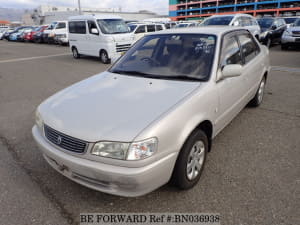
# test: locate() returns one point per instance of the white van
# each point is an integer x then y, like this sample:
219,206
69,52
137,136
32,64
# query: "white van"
104,36
141,29
60,33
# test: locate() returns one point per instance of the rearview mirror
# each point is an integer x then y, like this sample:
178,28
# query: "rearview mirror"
231,70
94,31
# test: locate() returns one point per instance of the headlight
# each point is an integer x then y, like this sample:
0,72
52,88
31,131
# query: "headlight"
126,151
38,120
142,149
287,33
115,150
264,34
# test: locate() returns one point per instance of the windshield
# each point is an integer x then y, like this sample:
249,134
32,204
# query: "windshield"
297,23
132,27
220,20
289,20
265,23
169,56
113,26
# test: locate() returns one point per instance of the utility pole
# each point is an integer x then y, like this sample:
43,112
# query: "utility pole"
79,7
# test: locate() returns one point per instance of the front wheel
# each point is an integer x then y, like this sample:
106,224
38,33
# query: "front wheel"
258,98
75,53
191,160
104,57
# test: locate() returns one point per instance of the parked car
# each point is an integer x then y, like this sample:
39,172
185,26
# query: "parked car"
30,36
59,34
16,30
186,24
140,29
45,35
290,20
272,29
152,116
170,25
291,36
242,20
3,30
104,36
23,32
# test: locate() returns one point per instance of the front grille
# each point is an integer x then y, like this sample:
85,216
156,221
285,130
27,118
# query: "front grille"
122,48
296,33
64,141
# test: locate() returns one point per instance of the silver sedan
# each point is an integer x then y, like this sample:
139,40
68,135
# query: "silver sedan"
153,115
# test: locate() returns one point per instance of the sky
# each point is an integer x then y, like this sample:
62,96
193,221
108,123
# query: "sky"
158,6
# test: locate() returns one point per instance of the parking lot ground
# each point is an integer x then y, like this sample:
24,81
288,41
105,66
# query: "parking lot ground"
252,172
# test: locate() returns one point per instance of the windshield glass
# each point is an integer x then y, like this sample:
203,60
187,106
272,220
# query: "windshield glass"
132,27
290,20
297,23
113,26
220,20
265,23
170,56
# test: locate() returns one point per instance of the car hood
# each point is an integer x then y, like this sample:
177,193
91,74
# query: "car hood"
291,29
112,107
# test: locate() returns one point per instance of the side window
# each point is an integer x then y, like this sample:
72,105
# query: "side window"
246,21
248,46
159,27
91,25
77,27
231,53
276,23
150,28
61,25
141,29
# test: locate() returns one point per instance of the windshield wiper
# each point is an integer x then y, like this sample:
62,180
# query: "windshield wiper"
147,75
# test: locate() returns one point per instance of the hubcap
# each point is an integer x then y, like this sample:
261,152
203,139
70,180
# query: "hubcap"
261,91
74,53
103,57
195,160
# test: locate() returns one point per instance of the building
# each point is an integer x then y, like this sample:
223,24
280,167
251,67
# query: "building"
4,23
46,14
197,9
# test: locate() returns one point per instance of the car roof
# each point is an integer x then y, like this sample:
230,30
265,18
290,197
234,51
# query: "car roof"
234,15
214,30
87,17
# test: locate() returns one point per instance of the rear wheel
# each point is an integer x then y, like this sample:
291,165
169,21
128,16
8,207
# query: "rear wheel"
104,57
75,53
258,98
191,160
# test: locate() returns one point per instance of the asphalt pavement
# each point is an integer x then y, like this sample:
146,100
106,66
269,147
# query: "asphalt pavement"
252,175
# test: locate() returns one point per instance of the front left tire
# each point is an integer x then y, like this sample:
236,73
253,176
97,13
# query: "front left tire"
191,160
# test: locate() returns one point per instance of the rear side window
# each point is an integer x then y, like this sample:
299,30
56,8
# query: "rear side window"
159,27
150,28
231,53
248,46
141,29
77,27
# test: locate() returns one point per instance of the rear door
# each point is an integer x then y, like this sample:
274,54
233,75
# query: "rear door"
78,35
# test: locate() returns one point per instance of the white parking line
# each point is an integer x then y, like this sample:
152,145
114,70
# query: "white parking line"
32,58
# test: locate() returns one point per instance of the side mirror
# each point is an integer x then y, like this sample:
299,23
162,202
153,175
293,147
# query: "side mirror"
274,27
231,70
94,31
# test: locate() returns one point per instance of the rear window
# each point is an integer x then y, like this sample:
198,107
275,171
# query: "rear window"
220,20
77,27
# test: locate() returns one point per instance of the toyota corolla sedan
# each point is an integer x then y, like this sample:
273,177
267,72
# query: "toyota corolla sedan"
153,115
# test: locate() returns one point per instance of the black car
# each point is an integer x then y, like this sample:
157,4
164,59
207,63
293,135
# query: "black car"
272,29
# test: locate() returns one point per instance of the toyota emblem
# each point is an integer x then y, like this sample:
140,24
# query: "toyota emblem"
59,140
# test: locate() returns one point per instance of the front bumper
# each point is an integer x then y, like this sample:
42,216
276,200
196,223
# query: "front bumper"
290,40
116,180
